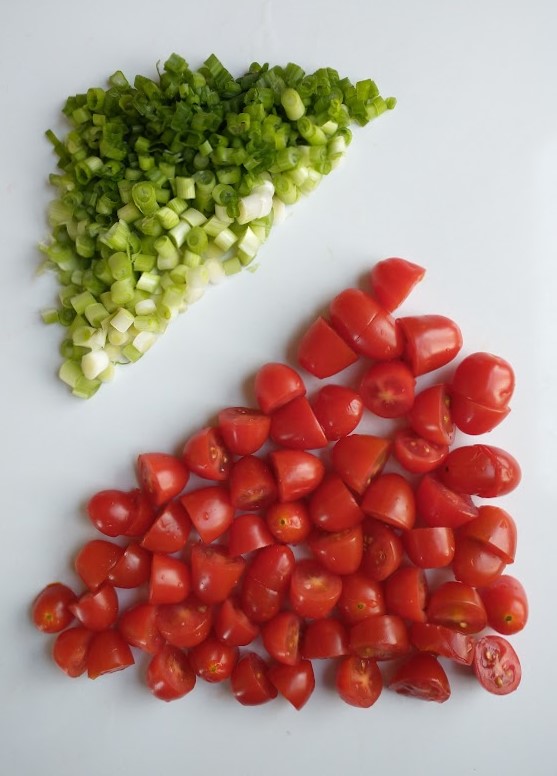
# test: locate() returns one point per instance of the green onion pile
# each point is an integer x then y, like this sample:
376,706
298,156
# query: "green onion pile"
168,185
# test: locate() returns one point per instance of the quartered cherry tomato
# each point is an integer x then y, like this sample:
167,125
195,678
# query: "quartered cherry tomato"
297,473
51,611
281,637
438,505
474,564
459,606
382,550
169,674
406,593
133,568
251,484
431,341
169,531
275,385
430,548
314,590
71,649
421,676
210,510
111,511
289,521
138,625
296,682
481,389
332,507
365,325
161,476
233,626
170,580
430,415
248,533
390,499
415,454
359,681
361,597
442,641
212,660
339,552
250,681
392,280
357,458
185,624
338,410
295,426
95,560
495,529
108,652
206,455
323,352
383,637
97,609
324,639
214,574
243,430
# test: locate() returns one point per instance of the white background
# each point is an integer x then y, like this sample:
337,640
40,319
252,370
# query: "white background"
461,177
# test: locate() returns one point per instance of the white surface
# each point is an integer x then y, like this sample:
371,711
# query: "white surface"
461,177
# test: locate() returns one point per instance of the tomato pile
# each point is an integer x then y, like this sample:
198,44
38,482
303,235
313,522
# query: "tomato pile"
282,535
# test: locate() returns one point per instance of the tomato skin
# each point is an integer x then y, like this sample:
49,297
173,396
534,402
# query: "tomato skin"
358,458
259,602
430,415
416,454
458,606
323,352
506,604
361,597
390,499
338,410
392,280
143,514
442,641
205,454
108,652
185,624
243,430
297,473
289,521
387,389
249,681
248,533
473,418
273,567
252,485
169,531
97,610
281,637
132,569
430,548
210,510
439,506
340,552
314,591
232,626
169,674
51,611
161,476
296,683
214,574
485,379
324,639
474,564
382,550
212,660
496,665
382,637
406,593
359,681
70,650
170,580
275,385
138,625
365,326
111,511
432,341
421,676
332,506
94,561
480,470
295,426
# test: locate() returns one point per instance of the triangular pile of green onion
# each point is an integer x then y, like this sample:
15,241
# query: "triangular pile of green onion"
168,185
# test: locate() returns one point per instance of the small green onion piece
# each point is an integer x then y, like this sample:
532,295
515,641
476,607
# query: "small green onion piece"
279,211
122,320
117,236
131,353
249,243
147,323
143,262
82,335
178,274
168,217
80,302
293,104
107,374
148,281
215,271
286,189
184,188
194,217
120,265
95,313
144,195
197,277
122,291
178,205
117,339
166,249
178,233
311,132
298,176
128,213
193,295
70,372
144,340
50,315
191,259
85,388
313,180
225,239
222,214
145,307
329,127
214,226
232,266
108,302
92,364
196,240
151,226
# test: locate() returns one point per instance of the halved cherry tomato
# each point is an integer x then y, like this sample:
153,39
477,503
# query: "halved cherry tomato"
382,637
250,682
108,652
111,511
243,430
259,602
406,593
275,385
161,476
361,597
281,637
390,499
473,418
437,505
443,641
358,458
392,280
421,676
432,341
295,426
506,605
289,521
169,531
143,514
365,326
273,567
132,569
332,506
416,454
485,379
210,510
430,548
185,624
474,564
387,389
458,606
496,665
70,650
252,485
138,625
340,552
97,610
170,580
205,455
51,610
212,660
430,415
324,639
314,590
214,574
232,625
359,681
248,533
338,410
297,473
382,550
323,352
169,674
296,683
94,561
481,470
